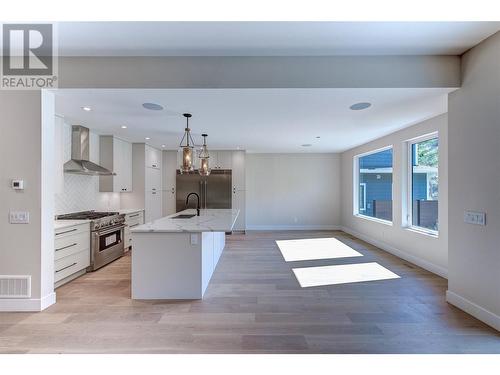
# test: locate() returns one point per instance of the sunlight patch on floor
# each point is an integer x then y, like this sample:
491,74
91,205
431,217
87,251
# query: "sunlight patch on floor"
342,274
315,248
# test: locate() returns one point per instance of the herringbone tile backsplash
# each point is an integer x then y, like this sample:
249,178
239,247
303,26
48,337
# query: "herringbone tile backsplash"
81,193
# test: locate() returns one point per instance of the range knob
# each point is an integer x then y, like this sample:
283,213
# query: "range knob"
97,226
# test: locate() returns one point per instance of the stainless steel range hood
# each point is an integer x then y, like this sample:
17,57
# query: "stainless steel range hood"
79,163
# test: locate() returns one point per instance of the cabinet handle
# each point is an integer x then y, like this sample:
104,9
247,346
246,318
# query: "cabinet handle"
62,269
135,215
134,225
154,189
68,231
65,247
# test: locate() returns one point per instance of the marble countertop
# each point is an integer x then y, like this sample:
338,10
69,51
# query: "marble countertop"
59,224
211,220
127,211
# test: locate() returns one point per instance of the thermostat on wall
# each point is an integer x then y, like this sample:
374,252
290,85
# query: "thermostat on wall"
18,184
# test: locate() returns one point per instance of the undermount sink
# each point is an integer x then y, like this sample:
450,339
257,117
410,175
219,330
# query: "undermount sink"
183,216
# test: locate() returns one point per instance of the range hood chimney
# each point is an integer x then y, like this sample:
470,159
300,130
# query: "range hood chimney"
79,163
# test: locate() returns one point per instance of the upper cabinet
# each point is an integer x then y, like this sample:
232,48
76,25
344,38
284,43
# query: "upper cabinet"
153,157
221,159
115,155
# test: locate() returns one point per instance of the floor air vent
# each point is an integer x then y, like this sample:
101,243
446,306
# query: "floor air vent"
15,286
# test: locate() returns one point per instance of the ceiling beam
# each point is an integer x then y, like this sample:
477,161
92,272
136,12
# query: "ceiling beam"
260,72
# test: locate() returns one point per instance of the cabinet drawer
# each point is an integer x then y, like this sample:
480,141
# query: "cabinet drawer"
135,217
70,231
71,244
67,266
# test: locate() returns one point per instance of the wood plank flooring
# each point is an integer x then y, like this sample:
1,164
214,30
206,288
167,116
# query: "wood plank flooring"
254,304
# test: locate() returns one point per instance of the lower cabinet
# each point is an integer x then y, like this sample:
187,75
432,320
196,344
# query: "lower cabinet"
71,252
132,219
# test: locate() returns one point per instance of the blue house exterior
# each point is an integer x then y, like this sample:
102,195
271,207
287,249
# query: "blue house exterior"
375,179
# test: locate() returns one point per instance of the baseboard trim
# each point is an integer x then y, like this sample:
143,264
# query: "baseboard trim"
291,227
431,267
473,309
30,304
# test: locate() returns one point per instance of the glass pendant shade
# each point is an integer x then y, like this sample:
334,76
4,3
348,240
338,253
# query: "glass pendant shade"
186,149
204,156
185,159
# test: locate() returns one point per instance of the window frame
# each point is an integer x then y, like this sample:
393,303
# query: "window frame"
408,183
356,184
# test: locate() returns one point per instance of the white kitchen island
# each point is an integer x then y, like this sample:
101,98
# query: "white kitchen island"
175,258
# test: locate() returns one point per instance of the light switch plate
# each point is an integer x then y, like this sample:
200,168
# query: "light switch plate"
19,217
194,238
473,217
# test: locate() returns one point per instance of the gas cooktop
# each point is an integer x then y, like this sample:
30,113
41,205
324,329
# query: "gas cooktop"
86,215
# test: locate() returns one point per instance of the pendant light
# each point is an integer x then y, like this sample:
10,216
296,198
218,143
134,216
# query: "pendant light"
204,169
185,152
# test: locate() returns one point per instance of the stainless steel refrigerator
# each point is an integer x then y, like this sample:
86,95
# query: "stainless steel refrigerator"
214,190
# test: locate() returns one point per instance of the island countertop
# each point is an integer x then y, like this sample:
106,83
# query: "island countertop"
210,220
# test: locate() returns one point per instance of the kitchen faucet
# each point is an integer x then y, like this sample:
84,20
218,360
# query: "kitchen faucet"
198,206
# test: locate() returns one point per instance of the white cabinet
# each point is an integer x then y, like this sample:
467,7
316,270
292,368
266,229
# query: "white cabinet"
115,155
153,179
169,172
147,182
153,206
221,159
132,219
71,252
153,157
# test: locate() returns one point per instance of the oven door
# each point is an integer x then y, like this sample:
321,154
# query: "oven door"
107,245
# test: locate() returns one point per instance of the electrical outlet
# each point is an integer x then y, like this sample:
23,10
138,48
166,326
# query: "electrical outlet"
473,217
19,217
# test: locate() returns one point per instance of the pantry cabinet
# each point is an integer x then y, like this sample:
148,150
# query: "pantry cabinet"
147,182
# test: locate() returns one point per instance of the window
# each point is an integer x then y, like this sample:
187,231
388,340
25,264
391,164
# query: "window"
423,183
373,185
362,197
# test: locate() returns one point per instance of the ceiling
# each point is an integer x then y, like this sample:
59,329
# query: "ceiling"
257,120
270,38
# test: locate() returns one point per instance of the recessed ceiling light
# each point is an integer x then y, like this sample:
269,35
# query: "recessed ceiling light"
306,145
87,109
163,146
152,106
318,137
124,126
147,138
360,106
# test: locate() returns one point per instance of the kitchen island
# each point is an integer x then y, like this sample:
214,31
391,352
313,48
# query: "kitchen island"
174,258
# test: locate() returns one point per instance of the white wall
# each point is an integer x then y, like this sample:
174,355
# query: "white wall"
292,191
474,177
22,251
426,251
78,192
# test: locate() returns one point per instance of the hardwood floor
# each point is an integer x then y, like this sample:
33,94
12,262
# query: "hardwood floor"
254,304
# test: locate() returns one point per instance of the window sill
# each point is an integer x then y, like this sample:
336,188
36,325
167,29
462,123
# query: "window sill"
376,220
425,232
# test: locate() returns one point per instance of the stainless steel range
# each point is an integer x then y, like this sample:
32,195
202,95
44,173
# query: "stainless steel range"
106,235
